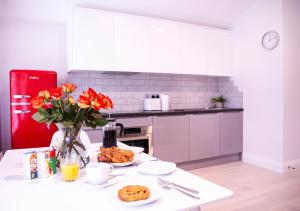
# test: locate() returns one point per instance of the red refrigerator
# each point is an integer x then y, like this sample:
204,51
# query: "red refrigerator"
24,85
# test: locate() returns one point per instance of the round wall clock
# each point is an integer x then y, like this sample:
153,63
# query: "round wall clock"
270,40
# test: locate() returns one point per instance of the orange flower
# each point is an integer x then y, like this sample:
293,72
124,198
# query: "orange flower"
106,101
90,93
84,102
68,87
56,93
71,100
108,104
37,102
45,94
97,103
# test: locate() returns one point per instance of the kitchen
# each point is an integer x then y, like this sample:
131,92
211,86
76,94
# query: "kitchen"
32,38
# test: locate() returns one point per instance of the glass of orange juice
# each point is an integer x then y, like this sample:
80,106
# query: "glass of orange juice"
70,167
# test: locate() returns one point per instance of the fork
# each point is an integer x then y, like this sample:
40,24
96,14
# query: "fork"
169,187
164,182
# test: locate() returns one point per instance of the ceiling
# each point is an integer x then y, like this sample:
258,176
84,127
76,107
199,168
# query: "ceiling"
218,13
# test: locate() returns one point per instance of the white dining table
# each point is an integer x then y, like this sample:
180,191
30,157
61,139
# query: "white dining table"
52,193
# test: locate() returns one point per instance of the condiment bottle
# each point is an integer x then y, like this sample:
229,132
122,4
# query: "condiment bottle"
52,163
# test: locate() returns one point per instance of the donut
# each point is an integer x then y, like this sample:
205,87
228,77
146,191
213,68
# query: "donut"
133,193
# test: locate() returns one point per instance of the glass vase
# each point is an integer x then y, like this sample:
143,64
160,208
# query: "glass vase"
71,145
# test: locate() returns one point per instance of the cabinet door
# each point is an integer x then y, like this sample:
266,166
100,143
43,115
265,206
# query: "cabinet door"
164,47
171,138
92,40
219,52
204,136
231,132
131,45
193,49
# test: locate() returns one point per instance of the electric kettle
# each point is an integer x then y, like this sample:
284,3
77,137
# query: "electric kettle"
165,102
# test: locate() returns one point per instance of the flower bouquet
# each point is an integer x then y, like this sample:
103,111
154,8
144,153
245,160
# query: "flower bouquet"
57,106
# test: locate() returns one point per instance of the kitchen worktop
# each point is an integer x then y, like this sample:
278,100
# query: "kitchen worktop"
120,114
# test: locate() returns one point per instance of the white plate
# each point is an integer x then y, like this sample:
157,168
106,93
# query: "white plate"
155,194
136,158
86,183
133,148
157,167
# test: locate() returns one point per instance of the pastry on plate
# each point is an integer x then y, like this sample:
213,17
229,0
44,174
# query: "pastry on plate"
133,193
115,155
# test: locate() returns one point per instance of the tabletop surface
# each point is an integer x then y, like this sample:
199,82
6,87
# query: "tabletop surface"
18,193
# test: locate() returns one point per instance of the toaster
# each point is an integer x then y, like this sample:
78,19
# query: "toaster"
152,104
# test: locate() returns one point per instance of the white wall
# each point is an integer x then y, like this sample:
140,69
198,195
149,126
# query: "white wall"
27,45
259,74
291,62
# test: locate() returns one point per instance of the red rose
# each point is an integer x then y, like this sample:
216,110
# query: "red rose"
68,87
90,93
56,93
37,102
84,102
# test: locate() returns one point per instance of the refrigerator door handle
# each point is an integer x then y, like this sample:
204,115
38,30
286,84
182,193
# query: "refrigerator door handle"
21,111
21,104
21,96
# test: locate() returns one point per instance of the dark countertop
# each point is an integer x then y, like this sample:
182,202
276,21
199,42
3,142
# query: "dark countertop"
141,113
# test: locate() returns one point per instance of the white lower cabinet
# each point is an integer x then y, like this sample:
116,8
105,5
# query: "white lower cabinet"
204,136
197,136
171,138
231,133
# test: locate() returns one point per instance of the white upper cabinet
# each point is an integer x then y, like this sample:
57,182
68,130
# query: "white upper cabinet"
219,52
164,56
193,49
92,40
131,43
109,41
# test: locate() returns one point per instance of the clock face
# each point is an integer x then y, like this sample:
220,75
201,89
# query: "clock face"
270,40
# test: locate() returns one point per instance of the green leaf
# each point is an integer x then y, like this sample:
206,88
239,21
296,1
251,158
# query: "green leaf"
40,118
55,103
42,111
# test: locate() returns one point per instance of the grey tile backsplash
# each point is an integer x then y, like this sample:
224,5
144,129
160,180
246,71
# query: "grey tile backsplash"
186,91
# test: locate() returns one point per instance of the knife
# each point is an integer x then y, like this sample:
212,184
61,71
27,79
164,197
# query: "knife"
179,186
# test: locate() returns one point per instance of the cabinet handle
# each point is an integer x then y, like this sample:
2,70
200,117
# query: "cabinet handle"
21,111
22,104
21,96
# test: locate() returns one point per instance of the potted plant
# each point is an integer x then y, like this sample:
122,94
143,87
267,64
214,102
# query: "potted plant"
57,106
219,101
